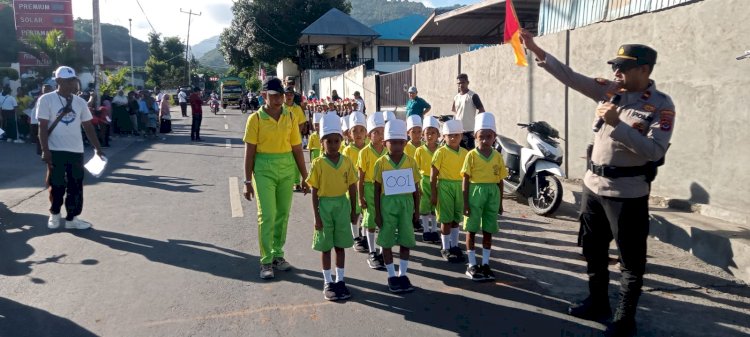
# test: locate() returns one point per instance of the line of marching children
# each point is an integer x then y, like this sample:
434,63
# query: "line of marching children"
450,186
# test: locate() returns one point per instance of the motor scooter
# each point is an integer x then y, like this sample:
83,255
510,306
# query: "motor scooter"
533,170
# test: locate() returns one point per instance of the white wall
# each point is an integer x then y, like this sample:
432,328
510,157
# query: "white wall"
389,67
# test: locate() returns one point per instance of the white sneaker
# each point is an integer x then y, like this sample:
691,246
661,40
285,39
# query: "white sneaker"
77,223
54,221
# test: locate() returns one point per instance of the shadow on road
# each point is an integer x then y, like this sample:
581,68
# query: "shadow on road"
20,320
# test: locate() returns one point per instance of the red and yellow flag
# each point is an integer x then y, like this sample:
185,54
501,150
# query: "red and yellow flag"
512,33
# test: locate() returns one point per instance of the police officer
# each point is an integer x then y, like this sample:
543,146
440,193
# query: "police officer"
634,122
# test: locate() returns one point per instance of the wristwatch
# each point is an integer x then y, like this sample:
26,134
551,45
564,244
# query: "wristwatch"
248,182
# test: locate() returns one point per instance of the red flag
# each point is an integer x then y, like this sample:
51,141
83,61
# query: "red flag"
512,33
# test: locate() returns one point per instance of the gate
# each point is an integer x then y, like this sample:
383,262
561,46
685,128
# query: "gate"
392,89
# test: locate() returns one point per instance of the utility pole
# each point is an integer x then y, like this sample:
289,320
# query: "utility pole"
187,42
130,35
97,48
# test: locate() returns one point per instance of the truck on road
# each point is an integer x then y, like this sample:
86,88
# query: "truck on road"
231,89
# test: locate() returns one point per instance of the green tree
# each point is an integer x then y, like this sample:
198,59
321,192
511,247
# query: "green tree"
115,81
166,64
268,30
54,47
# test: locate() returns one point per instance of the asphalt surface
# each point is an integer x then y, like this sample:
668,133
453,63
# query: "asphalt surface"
170,256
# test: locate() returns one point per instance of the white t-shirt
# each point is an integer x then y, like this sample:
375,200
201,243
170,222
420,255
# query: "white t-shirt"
465,109
8,102
360,104
182,97
67,133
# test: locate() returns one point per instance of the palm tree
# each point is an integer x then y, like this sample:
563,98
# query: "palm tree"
53,47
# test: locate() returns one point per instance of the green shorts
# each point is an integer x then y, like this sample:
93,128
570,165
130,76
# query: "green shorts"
397,213
484,202
368,214
425,205
450,207
335,213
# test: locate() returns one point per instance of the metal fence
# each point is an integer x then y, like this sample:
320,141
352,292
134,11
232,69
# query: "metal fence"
393,87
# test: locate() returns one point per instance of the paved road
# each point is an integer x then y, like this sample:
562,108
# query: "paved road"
169,255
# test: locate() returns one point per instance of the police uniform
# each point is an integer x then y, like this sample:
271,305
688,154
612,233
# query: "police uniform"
617,182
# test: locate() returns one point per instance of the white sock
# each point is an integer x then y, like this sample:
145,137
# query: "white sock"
446,241
403,267
327,276
486,255
433,223
371,241
454,237
472,257
339,274
391,270
425,223
355,230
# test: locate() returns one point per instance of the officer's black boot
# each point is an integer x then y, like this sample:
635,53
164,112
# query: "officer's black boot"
596,306
623,323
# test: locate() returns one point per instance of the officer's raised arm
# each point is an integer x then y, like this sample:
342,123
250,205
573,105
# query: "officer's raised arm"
594,88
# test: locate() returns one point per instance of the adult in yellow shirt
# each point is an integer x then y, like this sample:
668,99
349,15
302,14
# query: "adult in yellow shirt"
299,116
272,148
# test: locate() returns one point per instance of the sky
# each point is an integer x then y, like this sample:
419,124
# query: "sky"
166,18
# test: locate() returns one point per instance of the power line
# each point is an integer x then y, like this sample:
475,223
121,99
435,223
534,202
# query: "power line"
273,37
144,14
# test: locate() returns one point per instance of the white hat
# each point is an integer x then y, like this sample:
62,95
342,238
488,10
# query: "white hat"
453,127
375,121
413,121
395,129
388,116
357,118
317,117
431,122
330,124
484,120
65,72
344,123
412,89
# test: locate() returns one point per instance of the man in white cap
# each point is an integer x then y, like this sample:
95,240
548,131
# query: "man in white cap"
395,211
358,135
483,173
331,177
61,114
416,106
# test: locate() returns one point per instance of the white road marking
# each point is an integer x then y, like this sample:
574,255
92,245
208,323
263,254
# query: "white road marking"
234,197
229,143
226,126
225,117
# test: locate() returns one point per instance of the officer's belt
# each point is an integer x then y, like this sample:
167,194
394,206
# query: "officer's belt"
618,172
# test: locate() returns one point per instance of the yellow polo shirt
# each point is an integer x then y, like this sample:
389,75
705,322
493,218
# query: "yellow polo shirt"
366,162
332,180
351,151
483,170
423,157
297,113
385,163
410,149
270,135
449,162
314,142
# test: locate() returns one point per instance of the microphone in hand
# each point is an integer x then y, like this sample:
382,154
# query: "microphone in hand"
615,99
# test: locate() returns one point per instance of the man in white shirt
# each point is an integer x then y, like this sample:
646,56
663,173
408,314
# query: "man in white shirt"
182,99
466,105
360,102
8,104
61,115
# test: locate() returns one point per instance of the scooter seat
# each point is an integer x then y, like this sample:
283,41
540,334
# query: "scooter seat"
509,145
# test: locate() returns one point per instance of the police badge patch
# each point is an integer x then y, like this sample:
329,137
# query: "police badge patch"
666,119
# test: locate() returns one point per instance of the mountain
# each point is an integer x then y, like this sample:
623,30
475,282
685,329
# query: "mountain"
213,59
115,42
203,47
373,12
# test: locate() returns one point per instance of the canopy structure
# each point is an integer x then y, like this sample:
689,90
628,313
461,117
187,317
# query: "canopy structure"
336,27
480,23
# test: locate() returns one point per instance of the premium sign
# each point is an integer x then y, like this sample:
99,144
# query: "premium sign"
50,7
39,18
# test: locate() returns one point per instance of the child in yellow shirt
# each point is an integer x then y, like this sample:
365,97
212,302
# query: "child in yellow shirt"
314,143
414,131
358,133
366,167
423,157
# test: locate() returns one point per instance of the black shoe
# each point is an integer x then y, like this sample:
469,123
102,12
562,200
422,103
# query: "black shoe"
445,254
458,255
342,290
329,292
374,260
360,245
487,272
394,284
297,188
475,273
405,284
434,237
593,310
621,328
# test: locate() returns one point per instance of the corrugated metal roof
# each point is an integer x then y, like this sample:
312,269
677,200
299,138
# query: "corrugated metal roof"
336,27
481,23
559,15
400,29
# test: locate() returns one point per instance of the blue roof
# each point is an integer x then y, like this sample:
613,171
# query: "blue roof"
400,29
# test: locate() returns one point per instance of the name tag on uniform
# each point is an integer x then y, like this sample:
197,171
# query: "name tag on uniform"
398,182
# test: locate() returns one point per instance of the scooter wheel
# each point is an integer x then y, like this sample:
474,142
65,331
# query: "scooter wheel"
548,197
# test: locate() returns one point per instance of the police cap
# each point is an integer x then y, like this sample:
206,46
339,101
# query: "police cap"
636,54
